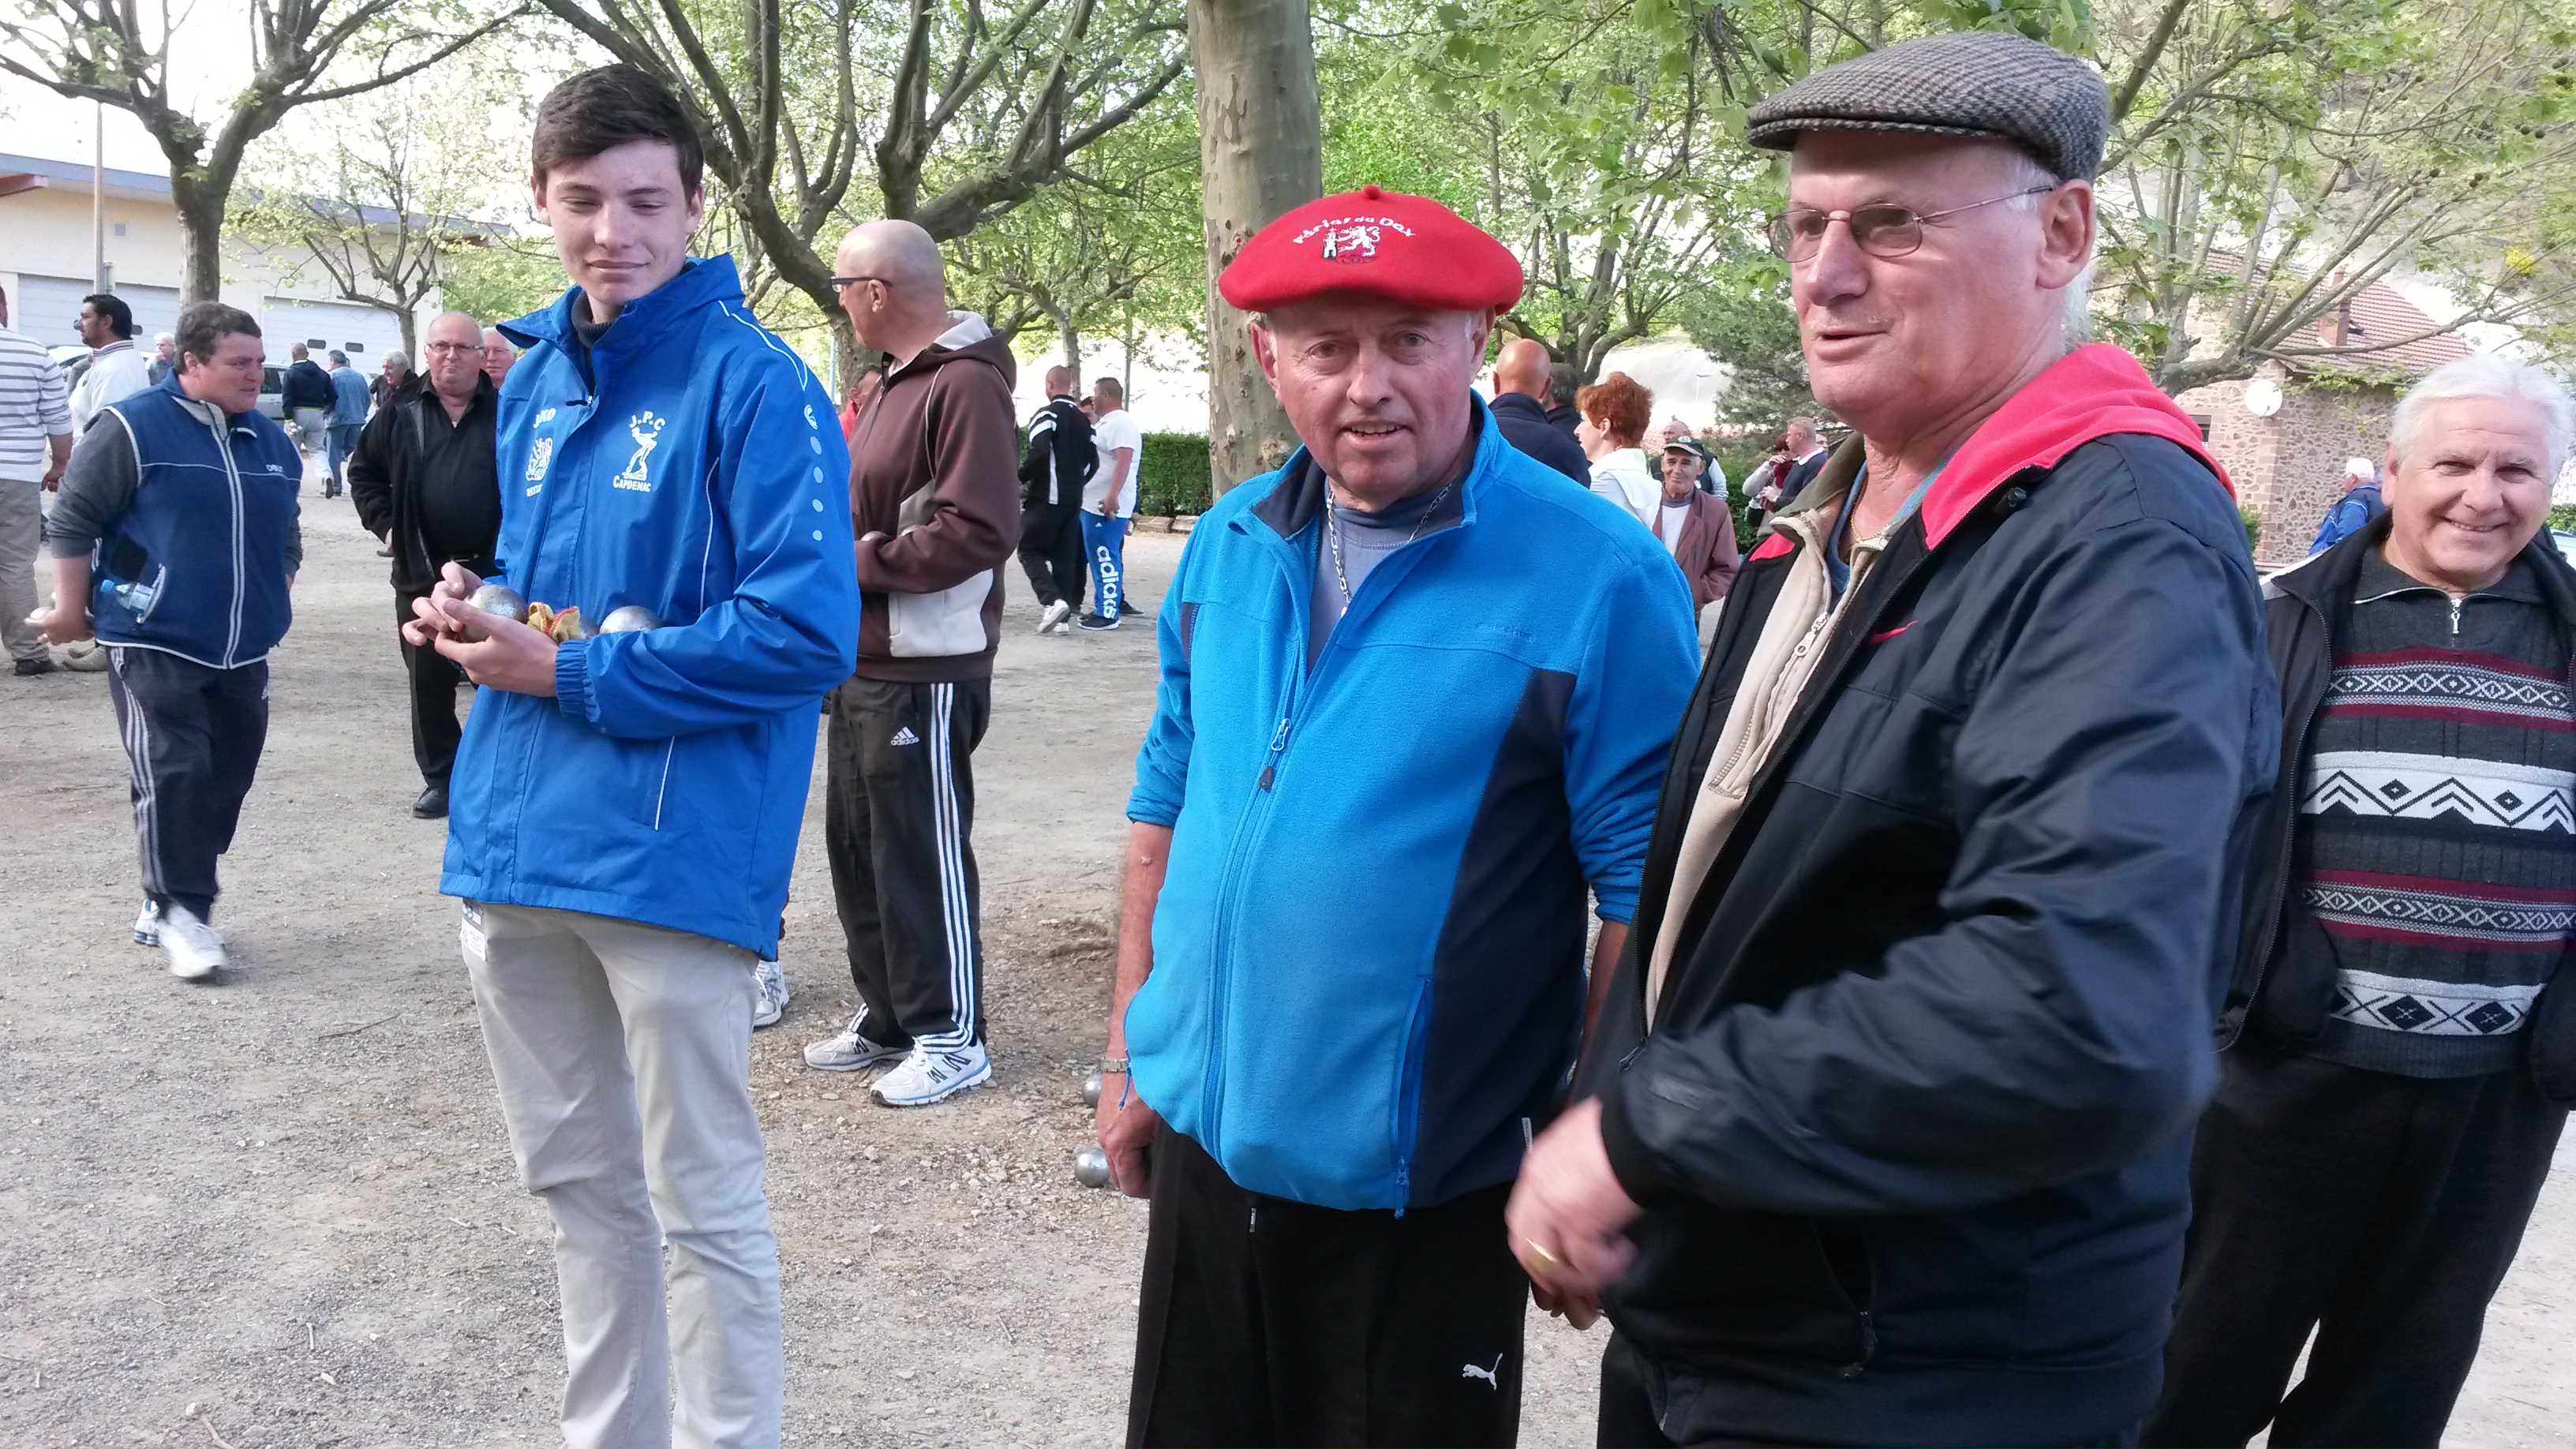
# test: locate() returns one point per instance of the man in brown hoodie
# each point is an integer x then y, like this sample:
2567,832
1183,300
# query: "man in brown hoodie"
933,495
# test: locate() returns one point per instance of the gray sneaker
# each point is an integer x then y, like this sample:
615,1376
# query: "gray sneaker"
771,1004
850,1050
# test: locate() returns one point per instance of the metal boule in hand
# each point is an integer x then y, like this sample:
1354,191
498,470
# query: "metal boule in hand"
628,619
500,601
1091,1166
1091,1090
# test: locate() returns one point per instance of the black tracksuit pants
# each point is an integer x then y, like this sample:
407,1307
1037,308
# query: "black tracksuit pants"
900,803
2381,1210
1051,551
1265,1321
193,736
434,682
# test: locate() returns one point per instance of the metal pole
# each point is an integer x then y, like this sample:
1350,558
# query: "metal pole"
98,192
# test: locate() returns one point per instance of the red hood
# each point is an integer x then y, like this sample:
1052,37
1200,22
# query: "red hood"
2092,392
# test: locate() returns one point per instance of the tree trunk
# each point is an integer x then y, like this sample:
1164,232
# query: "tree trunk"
201,226
1261,154
1072,339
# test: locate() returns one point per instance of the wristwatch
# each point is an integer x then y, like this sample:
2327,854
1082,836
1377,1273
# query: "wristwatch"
1113,1066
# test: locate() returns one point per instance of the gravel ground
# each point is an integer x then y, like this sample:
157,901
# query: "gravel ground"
280,1210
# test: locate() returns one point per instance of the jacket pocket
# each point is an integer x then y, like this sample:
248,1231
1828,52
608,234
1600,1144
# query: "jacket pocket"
936,626
1713,1286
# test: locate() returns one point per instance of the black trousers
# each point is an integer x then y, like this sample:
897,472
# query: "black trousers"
899,805
2380,1210
193,736
1051,550
434,682
1627,1419
1266,1321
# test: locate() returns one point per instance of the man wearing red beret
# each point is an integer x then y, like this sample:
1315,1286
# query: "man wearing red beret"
1416,698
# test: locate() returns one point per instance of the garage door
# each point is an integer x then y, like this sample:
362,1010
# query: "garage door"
365,333
45,306
156,310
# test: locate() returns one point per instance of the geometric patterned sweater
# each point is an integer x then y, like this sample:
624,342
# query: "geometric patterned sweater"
2435,849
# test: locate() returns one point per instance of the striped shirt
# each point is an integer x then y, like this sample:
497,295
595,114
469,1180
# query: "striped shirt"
34,406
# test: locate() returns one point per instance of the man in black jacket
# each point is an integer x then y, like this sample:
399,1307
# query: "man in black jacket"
305,393
1882,1133
1520,385
2401,1047
424,481
1060,458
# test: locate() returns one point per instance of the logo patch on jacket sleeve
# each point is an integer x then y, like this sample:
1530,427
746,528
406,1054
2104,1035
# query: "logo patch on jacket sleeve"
646,428
539,455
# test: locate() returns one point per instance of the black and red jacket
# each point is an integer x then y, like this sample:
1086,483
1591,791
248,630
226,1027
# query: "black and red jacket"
1912,1125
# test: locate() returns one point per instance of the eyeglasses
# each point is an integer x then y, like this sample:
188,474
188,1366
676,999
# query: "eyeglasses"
839,283
437,347
1881,231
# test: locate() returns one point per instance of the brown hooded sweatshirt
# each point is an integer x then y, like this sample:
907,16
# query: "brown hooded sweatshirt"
934,492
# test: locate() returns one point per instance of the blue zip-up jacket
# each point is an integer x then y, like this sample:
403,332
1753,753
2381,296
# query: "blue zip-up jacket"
698,470
197,565
1368,952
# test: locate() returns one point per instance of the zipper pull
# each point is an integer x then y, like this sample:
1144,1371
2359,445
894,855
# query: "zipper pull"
1278,742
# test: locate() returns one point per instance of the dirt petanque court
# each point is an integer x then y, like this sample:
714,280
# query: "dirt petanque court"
281,1209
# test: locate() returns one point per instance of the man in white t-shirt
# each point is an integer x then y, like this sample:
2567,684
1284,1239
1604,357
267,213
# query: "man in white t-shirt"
116,371
1109,500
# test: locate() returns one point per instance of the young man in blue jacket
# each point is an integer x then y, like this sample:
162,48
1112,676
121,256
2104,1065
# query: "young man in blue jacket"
1416,694
624,807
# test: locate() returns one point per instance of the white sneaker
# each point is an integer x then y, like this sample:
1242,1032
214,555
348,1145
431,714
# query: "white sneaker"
771,1004
195,949
1053,615
147,926
929,1076
850,1050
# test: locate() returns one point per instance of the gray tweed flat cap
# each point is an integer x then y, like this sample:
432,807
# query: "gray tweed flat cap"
1967,83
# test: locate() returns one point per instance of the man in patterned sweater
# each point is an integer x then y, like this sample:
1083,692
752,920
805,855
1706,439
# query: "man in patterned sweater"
2382,1130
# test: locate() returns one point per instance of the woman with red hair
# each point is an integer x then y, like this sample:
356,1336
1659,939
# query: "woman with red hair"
1615,414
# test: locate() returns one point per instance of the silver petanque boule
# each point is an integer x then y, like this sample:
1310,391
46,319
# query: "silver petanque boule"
629,619
501,601
1091,1090
1091,1166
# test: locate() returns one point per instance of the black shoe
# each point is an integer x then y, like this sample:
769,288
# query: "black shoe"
1096,622
41,664
432,804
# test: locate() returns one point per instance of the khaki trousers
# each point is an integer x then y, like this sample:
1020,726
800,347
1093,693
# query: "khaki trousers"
623,1055
21,520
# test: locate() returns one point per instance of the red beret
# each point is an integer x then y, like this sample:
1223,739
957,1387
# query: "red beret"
1408,248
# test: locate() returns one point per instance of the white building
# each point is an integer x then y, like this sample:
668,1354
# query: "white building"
47,251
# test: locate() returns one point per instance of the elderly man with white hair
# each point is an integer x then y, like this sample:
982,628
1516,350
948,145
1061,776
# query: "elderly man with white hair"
2401,1035
2359,503
1884,1130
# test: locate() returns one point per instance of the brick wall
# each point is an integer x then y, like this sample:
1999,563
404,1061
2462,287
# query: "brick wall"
2288,467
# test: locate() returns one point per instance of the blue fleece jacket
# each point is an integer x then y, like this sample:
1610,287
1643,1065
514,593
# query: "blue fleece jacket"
697,470
1368,952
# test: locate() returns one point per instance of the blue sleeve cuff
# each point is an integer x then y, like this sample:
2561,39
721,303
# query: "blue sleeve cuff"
572,679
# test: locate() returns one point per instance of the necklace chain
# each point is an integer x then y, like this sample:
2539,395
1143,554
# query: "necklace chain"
1333,531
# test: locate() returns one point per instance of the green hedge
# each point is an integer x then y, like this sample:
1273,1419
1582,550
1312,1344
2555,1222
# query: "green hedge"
1178,477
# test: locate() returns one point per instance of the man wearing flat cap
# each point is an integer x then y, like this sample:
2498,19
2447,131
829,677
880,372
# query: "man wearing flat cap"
1403,731
1882,1135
